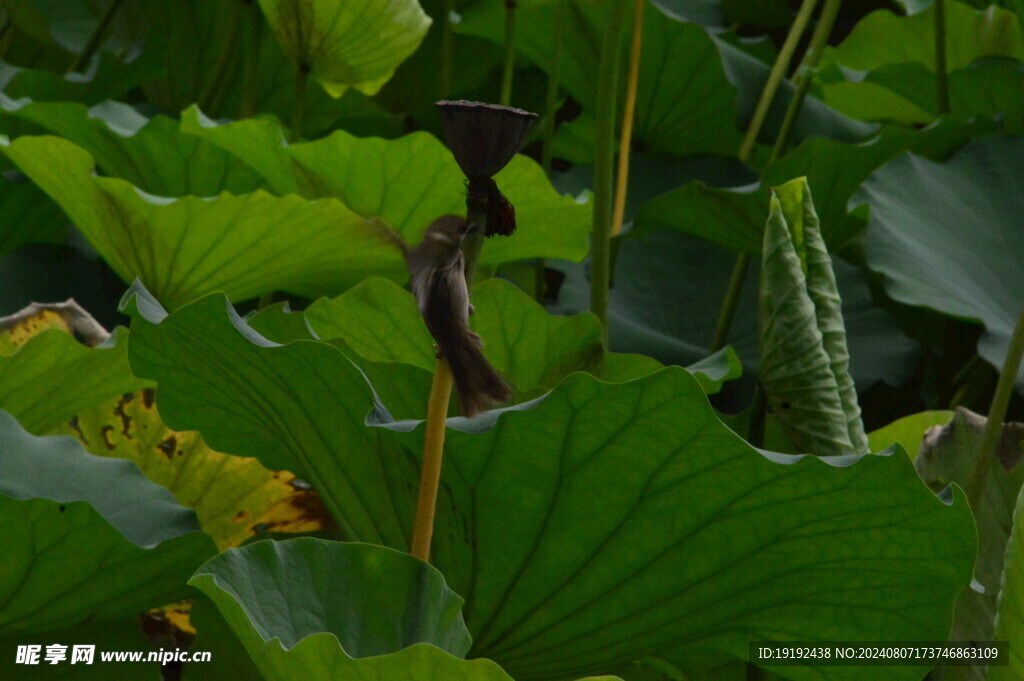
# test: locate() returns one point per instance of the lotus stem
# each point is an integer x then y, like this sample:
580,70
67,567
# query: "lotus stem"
775,77
996,415
941,76
628,116
433,453
811,59
607,96
97,37
758,417
510,53
771,86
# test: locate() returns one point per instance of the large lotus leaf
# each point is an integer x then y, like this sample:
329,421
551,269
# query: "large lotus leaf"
152,154
234,497
243,245
375,614
907,93
685,540
669,289
884,38
947,236
685,104
1010,620
107,78
798,373
132,546
948,454
357,44
734,218
52,377
406,182
379,322
223,56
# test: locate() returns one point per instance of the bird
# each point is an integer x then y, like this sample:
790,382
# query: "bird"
438,272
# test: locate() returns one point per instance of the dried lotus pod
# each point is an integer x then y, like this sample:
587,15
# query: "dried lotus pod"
483,138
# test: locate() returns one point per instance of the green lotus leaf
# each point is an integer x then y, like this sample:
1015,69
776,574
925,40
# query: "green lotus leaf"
106,78
922,214
151,153
948,454
734,218
884,38
356,44
244,245
556,585
1010,619
132,546
52,377
407,183
223,56
907,93
685,104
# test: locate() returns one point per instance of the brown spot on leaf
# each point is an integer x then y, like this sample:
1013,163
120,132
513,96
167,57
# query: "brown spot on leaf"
75,426
240,516
168,446
126,421
105,432
148,397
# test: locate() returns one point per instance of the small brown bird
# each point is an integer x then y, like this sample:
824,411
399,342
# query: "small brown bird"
438,274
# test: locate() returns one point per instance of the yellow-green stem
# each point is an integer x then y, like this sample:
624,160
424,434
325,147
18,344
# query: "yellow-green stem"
437,405
510,53
996,415
97,37
775,76
604,162
628,115
433,454
771,86
941,76
808,66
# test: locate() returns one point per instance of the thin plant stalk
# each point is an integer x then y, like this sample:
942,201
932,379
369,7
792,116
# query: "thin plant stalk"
447,49
265,300
941,75
628,117
771,86
97,37
433,451
437,406
510,53
996,415
809,65
775,76
604,163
